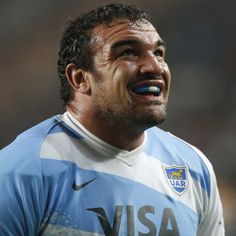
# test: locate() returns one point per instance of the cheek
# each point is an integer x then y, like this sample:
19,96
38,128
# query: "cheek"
129,66
114,79
125,71
167,74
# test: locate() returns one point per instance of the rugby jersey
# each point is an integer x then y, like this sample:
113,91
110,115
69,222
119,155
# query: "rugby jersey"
57,178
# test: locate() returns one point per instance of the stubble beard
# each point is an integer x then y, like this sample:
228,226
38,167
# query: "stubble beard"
149,118
134,119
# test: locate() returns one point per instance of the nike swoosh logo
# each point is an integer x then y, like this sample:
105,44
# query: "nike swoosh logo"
80,186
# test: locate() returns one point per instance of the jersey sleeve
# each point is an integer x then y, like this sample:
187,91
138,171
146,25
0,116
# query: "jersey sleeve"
21,193
212,222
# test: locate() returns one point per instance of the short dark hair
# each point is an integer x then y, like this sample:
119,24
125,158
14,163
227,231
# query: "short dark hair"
75,42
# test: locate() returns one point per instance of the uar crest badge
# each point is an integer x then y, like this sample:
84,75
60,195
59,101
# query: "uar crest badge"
177,177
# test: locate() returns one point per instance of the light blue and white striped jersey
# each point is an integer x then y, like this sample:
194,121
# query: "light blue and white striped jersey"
59,179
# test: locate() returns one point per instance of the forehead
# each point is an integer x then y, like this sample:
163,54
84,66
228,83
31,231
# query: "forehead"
106,35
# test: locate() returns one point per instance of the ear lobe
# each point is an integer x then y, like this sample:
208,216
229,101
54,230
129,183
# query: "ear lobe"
77,78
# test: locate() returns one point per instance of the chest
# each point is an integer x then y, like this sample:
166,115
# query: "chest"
96,202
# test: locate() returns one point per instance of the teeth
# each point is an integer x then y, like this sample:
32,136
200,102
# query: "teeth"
147,89
154,89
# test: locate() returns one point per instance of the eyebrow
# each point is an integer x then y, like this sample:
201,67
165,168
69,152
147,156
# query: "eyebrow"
161,42
134,42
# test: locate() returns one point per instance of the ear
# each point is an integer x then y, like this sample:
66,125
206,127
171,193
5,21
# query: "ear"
77,78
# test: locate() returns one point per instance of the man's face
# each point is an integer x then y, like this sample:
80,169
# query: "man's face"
129,70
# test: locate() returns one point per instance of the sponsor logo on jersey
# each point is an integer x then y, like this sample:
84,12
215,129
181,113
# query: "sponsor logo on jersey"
177,177
135,220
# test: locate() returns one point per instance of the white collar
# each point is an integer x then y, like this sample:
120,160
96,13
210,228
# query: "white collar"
128,157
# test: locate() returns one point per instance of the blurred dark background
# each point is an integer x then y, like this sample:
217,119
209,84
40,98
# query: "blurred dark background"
201,53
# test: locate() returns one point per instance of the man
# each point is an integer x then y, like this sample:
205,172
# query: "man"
103,167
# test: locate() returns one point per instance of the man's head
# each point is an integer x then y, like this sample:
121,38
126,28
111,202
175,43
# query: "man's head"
76,45
113,70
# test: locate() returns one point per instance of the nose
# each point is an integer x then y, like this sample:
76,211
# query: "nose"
150,64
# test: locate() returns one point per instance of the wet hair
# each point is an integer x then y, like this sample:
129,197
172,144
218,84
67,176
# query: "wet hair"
75,43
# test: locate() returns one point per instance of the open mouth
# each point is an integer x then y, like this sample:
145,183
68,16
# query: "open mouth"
147,90
148,87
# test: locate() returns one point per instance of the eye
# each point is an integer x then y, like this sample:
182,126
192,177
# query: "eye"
129,52
159,53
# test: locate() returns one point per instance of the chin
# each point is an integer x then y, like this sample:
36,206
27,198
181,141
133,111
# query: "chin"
156,120
158,115
150,119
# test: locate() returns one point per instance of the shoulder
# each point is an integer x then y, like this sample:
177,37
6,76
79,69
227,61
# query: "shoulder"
24,150
176,146
24,154
171,150
31,136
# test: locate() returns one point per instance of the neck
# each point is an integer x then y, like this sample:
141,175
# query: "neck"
122,137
